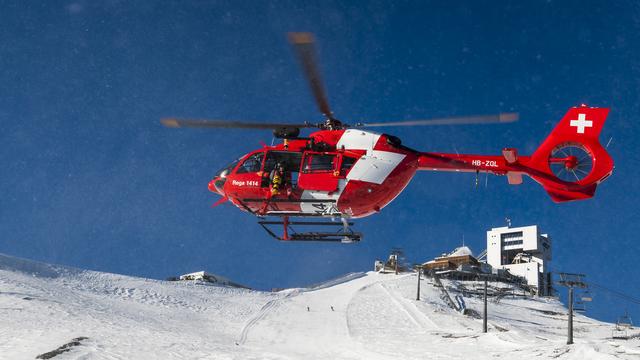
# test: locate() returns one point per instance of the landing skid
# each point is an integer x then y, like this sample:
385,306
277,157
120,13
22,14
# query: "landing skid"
344,235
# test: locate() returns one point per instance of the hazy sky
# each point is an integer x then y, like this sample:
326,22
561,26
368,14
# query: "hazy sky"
91,179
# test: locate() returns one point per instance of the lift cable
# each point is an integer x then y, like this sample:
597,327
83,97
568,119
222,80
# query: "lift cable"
617,293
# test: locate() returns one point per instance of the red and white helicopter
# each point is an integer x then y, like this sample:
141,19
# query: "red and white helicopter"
344,172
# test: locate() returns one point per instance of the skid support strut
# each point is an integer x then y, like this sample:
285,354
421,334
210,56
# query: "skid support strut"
285,222
344,235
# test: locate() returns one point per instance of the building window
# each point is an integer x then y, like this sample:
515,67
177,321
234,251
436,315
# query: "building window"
513,235
509,255
511,242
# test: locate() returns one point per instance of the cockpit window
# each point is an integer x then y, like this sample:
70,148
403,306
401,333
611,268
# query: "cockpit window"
228,169
252,164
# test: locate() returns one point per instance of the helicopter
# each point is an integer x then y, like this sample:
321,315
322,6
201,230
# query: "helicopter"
343,172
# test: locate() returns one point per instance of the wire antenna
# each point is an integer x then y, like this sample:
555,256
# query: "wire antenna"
608,143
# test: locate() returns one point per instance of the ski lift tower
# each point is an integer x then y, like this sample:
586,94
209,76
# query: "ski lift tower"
571,281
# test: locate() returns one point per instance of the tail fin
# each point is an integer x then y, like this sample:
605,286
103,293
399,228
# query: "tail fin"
571,162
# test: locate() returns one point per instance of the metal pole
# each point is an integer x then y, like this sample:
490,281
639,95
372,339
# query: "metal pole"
571,281
570,333
484,317
418,291
396,267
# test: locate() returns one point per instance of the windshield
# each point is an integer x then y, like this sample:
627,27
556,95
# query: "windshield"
227,169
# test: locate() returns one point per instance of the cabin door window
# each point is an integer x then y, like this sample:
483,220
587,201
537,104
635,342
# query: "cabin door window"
320,171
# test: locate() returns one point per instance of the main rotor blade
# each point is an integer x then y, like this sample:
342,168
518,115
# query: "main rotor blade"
303,45
176,123
462,120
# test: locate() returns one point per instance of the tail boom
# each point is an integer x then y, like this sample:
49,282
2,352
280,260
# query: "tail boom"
569,164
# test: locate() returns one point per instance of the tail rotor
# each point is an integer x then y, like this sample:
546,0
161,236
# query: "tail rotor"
571,162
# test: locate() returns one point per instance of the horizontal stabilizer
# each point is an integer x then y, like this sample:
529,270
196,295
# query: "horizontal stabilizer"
559,196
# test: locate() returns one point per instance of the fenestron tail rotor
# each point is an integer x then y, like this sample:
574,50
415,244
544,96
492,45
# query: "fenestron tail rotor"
570,162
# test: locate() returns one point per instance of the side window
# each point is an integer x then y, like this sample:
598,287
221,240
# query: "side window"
252,164
319,163
290,160
347,164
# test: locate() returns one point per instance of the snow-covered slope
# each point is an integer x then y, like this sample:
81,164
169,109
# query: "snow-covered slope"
363,316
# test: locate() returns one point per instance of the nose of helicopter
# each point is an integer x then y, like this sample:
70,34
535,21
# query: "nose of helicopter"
215,185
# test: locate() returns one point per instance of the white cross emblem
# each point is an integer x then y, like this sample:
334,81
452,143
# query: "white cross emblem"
581,123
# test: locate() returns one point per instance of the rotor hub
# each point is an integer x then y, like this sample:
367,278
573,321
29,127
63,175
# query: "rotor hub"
332,123
571,162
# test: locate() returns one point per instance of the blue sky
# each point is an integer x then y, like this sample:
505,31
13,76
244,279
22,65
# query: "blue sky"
91,179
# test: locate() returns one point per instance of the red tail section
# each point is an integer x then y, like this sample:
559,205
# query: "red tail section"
571,162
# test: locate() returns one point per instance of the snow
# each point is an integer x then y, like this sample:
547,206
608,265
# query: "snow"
461,251
359,316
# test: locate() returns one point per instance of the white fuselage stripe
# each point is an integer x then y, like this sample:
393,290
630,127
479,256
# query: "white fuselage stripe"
376,167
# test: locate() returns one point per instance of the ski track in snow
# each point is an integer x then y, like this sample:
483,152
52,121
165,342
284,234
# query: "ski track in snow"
417,317
360,316
264,311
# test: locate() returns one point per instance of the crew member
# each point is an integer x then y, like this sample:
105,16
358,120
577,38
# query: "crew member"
277,179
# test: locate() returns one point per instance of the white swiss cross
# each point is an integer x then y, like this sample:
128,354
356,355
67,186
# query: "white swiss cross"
581,123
